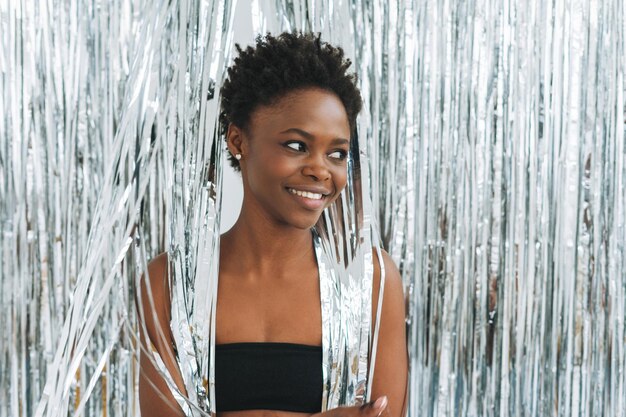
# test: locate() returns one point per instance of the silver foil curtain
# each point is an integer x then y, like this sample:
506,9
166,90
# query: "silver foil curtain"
493,149
64,72
515,207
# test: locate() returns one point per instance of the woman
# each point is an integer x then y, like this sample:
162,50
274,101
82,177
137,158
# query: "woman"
289,108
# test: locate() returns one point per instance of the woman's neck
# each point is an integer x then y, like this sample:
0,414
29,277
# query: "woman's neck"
258,248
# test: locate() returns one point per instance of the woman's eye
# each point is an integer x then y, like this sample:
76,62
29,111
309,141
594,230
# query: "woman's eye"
341,155
297,146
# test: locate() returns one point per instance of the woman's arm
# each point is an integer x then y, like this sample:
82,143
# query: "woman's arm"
389,387
155,397
391,367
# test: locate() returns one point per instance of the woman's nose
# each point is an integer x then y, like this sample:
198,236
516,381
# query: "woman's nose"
316,168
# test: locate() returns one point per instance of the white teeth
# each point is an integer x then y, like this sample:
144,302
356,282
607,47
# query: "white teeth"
306,194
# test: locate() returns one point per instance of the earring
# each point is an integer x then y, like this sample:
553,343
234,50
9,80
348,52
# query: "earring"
238,156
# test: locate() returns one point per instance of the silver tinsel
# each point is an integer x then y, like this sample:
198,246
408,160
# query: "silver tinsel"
491,157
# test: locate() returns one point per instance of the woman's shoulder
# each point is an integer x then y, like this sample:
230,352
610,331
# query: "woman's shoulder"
155,294
158,264
393,289
394,303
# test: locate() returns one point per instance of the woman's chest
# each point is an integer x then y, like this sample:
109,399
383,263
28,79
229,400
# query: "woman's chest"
269,311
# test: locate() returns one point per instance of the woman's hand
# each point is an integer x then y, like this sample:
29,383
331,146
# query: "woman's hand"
371,409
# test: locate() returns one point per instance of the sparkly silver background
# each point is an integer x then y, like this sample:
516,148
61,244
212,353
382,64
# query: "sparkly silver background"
495,138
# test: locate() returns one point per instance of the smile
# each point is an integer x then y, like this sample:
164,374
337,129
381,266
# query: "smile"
306,194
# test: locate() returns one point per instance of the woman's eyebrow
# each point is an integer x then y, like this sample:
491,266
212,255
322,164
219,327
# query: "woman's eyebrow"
307,135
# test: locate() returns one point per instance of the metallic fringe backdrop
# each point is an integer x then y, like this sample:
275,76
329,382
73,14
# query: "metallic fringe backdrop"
493,148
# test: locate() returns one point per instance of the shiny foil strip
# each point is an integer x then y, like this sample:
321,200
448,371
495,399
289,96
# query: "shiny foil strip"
490,156
105,102
66,219
510,231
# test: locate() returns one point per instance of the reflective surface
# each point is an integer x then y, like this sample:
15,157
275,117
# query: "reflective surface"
490,156
512,220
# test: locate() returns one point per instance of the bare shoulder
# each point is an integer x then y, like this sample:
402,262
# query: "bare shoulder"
155,396
154,295
157,267
394,289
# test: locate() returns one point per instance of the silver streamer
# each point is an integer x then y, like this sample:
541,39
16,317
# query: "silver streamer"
104,101
64,68
510,230
491,155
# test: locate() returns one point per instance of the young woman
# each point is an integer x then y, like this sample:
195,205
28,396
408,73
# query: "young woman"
289,108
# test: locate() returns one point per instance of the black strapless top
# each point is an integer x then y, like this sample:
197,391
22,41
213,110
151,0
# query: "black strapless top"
268,376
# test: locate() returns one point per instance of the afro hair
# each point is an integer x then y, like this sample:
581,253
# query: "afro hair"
275,66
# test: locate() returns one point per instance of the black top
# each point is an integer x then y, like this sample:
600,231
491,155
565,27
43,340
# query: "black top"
268,376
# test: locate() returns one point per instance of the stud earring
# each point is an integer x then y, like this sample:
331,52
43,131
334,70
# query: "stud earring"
238,156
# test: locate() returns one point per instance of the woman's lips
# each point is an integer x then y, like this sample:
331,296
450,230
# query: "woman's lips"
308,199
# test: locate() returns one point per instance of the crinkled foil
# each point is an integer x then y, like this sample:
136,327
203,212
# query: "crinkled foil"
108,136
66,220
110,157
491,155
512,240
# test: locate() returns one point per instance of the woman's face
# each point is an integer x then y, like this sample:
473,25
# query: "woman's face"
294,156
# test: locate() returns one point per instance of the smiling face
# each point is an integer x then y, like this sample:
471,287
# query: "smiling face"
294,156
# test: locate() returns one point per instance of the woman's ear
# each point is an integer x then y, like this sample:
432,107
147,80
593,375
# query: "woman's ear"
234,139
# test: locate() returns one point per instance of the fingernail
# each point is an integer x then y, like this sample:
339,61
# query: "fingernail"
381,402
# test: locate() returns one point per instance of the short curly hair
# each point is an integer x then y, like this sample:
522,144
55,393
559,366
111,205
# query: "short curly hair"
279,65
